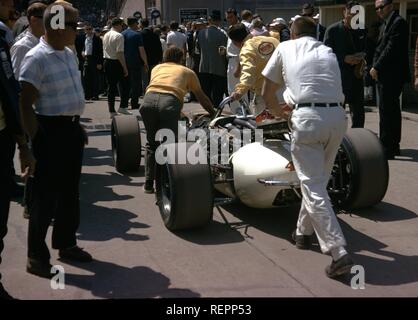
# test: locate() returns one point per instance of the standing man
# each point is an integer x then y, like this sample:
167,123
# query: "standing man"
349,46
391,71
175,38
36,29
232,54
136,61
254,55
308,10
153,50
52,84
93,63
213,66
309,71
10,134
115,67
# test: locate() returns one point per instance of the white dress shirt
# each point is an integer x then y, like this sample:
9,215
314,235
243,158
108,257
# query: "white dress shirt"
113,43
308,70
19,50
176,39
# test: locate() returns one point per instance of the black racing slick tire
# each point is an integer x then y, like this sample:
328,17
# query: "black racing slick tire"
185,194
360,176
126,143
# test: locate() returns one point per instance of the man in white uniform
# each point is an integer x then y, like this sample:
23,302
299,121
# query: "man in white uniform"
309,71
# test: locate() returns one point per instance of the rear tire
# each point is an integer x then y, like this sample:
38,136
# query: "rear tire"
361,167
184,193
126,143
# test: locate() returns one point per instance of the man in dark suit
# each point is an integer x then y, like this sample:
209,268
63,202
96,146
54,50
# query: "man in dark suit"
349,45
153,50
93,63
391,71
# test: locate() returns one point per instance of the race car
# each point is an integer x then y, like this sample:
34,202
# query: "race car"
258,173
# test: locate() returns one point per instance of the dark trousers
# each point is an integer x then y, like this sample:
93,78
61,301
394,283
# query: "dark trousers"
91,78
133,87
213,86
115,79
355,100
58,148
146,77
7,145
390,126
158,111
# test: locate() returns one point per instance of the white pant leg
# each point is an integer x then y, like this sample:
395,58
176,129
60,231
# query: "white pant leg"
315,141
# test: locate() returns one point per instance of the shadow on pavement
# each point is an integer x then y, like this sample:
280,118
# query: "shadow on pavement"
112,281
384,212
104,224
94,157
216,233
384,268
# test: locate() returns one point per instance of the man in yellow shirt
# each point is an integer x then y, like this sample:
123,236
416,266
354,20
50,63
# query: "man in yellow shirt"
254,55
163,101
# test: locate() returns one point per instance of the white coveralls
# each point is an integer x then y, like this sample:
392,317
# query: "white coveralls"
309,71
232,52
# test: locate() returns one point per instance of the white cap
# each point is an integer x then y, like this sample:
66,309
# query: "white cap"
296,17
278,21
316,17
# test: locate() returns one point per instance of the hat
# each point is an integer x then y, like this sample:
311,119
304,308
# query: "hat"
106,28
277,22
97,30
316,17
201,21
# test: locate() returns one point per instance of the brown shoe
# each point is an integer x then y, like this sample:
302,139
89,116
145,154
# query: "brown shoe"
340,267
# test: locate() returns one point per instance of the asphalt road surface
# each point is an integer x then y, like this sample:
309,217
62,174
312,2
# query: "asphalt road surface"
137,257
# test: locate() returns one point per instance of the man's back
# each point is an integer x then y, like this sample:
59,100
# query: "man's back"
176,39
311,72
209,41
152,46
133,40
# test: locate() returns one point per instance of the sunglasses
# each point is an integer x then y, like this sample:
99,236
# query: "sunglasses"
72,25
381,7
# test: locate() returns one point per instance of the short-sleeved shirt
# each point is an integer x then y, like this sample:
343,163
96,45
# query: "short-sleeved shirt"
309,71
19,50
113,43
176,39
56,76
133,40
174,79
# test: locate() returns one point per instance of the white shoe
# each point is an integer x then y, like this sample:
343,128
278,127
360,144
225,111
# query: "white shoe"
124,111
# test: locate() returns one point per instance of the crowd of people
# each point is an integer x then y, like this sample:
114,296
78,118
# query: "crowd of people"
48,74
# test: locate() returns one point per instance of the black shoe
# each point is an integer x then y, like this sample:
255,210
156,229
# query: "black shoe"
75,254
301,242
39,268
340,267
4,295
95,98
149,186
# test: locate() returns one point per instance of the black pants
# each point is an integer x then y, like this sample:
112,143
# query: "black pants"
133,87
213,86
159,111
91,78
115,79
7,145
390,126
355,100
58,149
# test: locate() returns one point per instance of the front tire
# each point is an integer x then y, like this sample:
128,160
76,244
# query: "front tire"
361,173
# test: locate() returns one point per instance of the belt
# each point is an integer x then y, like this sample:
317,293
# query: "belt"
318,105
60,119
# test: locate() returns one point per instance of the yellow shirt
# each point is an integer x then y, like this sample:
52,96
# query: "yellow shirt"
2,119
253,57
174,79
